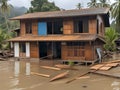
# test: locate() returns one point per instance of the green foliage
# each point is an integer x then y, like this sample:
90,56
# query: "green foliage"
115,13
79,6
3,37
70,63
110,37
98,3
42,5
92,4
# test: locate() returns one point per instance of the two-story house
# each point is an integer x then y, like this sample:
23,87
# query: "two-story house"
64,35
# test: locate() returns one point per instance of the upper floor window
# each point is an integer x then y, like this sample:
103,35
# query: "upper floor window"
81,26
55,27
28,27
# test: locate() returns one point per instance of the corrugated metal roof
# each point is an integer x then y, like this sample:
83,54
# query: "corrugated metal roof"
77,37
66,13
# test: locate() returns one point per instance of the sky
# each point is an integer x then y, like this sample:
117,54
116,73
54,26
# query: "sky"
64,4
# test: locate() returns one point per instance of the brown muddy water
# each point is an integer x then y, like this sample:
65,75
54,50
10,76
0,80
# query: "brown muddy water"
15,75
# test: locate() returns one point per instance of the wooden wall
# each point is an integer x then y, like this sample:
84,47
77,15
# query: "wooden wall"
68,27
92,26
89,53
34,50
22,27
64,52
35,27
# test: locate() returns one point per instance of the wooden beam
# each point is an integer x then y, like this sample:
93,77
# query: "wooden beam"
75,78
59,76
106,74
39,74
52,68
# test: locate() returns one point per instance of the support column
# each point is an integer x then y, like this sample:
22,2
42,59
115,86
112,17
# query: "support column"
16,49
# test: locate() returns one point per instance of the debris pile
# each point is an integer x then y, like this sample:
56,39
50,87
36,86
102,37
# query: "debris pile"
5,54
99,69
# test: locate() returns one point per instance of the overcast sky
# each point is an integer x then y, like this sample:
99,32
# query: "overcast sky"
65,4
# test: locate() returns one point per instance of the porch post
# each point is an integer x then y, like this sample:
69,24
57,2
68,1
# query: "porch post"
16,49
27,49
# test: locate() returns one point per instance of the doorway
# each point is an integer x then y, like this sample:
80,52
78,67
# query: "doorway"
50,50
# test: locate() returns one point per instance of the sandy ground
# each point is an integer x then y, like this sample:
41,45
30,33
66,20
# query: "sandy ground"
15,75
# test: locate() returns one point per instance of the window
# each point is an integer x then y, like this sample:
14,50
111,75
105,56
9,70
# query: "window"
81,26
55,27
22,47
28,28
76,49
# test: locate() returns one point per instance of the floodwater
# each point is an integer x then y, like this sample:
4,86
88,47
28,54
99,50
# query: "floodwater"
15,75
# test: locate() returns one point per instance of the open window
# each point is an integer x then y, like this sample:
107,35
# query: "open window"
55,27
81,26
28,27
22,47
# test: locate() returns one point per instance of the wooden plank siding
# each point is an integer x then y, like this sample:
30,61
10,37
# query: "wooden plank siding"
22,27
88,53
35,27
64,52
68,27
92,26
34,50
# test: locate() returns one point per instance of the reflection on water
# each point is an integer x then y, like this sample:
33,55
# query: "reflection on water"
17,68
27,68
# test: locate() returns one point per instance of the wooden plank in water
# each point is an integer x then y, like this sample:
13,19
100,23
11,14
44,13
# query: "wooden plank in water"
83,77
106,74
62,66
39,74
105,68
75,78
65,67
95,67
112,64
114,61
52,68
59,76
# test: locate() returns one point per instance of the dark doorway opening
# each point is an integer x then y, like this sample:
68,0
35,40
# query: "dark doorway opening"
42,49
50,50
57,50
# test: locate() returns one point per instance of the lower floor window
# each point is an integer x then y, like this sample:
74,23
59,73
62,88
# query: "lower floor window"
22,47
76,49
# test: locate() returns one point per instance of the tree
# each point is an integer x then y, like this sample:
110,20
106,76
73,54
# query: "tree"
3,37
79,6
5,8
42,5
115,12
103,3
92,4
110,37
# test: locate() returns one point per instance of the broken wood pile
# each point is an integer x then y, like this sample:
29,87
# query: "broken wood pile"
6,54
96,69
104,67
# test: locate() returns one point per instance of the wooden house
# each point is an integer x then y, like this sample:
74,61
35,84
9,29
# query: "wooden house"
64,35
